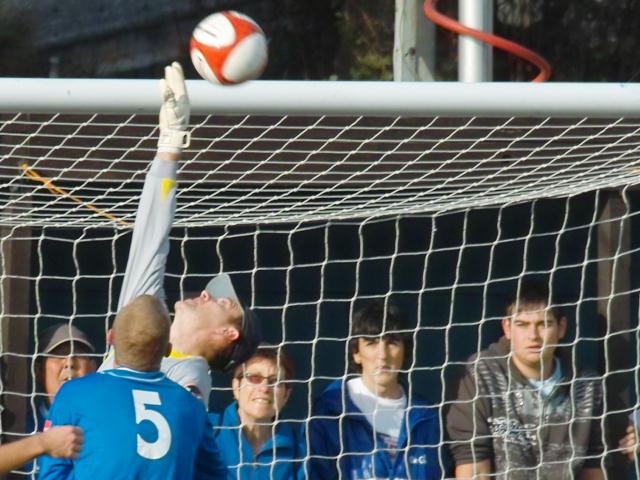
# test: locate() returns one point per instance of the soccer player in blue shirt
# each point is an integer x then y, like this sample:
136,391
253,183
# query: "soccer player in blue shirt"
136,422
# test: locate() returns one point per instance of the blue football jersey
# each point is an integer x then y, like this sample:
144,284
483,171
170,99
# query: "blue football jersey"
136,425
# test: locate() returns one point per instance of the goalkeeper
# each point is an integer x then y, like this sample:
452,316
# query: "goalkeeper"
213,330
522,411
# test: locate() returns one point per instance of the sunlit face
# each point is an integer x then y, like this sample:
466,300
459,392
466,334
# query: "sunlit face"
534,336
260,391
63,366
204,309
381,360
209,320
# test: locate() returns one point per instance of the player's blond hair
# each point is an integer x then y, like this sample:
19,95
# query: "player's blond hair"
141,333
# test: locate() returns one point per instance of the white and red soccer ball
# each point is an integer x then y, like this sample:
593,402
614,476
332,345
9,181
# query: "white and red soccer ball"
228,48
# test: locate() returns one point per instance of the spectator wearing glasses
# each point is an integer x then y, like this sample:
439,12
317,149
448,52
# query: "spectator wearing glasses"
254,443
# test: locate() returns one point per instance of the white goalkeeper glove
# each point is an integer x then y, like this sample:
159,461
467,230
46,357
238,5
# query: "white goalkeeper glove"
174,113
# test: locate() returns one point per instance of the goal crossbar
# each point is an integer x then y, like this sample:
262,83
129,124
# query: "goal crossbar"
74,151
37,95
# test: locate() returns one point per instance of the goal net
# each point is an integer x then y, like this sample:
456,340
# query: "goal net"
320,197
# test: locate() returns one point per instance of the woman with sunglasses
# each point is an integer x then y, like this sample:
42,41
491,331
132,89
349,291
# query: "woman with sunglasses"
254,442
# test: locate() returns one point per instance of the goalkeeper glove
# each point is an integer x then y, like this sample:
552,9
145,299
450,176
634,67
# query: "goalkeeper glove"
174,113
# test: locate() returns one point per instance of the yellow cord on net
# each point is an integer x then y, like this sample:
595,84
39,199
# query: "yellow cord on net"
35,176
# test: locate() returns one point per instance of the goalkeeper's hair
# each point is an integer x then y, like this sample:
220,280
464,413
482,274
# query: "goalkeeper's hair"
533,294
374,320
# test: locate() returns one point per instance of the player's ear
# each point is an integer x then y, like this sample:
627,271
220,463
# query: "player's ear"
355,352
231,333
110,336
169,348
506,327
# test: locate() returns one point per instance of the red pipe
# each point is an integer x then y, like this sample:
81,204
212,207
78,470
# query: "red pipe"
498,42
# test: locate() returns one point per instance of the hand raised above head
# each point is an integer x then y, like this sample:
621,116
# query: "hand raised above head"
175,110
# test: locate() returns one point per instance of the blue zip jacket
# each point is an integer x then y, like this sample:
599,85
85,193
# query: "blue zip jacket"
361,453
280,458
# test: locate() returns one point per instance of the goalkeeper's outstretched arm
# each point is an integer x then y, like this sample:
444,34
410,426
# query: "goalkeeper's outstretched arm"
145,269
154,218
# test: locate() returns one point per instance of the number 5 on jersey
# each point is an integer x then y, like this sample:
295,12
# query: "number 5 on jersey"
159,448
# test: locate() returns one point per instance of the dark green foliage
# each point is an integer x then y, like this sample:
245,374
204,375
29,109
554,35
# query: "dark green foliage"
302,38
591,40
365,47
586,41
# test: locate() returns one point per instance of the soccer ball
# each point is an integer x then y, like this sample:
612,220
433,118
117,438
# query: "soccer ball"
228,48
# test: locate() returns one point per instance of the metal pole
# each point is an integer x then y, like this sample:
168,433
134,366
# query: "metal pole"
414,46
62,95
614,308
475,62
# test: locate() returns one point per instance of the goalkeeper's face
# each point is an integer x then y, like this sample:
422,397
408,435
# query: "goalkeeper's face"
212,323
534,334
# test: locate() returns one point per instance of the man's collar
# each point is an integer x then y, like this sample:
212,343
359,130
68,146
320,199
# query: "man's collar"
178,355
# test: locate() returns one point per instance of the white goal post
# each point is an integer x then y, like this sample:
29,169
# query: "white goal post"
321,196
58,95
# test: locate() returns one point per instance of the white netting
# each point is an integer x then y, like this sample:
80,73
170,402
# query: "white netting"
314,215
276,169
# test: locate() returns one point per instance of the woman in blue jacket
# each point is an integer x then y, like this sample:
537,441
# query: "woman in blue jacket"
254,443
367,426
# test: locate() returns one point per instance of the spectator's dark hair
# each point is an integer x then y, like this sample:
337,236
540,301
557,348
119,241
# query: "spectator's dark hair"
374,321
279,357
533,293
